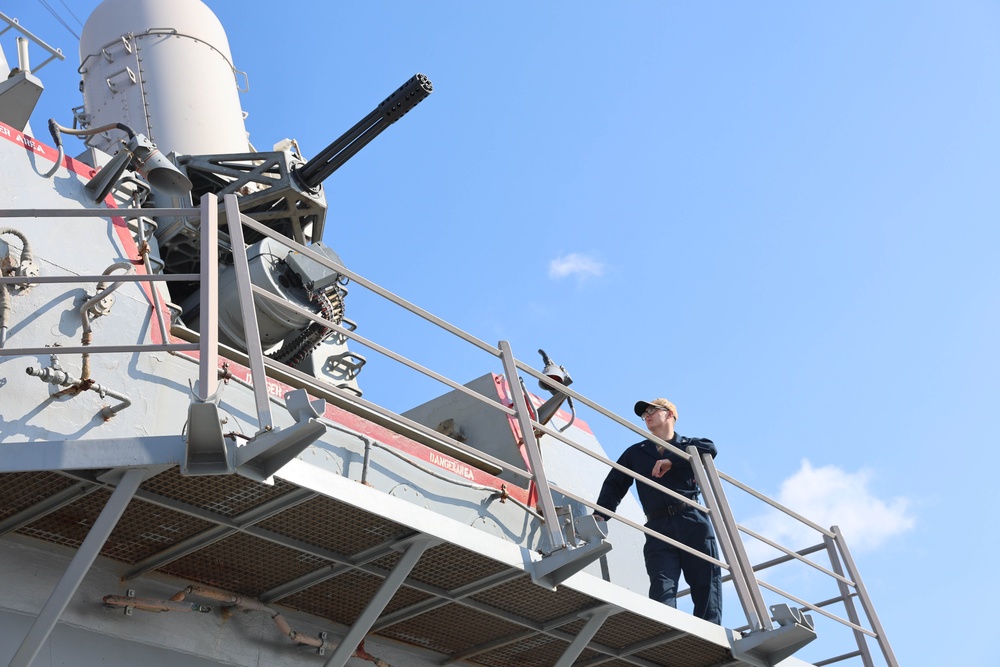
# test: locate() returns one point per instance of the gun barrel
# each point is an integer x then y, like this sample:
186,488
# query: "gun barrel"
394,107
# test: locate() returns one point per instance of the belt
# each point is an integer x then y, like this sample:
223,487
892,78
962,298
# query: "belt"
672,510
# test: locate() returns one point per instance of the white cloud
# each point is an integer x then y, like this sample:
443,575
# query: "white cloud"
575,264
831,496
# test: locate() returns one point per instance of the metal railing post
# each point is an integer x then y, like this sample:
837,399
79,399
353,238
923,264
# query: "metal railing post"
252,334
848,600
208,367
721,516
552,526
866,603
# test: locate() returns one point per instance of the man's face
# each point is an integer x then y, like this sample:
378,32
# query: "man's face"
656,416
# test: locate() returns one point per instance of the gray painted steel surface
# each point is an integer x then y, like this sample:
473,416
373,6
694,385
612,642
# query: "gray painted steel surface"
165,69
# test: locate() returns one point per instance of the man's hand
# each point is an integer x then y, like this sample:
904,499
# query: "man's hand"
661,467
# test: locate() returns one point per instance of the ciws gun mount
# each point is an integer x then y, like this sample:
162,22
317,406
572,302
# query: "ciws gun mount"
278,188
394,107
283,191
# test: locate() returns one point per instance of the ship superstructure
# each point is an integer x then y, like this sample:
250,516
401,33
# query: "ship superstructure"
193,469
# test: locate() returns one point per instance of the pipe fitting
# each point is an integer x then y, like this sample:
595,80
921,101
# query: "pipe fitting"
27,259
52,376
99,305
56,376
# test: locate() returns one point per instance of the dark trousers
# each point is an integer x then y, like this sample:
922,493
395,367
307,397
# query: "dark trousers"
665,563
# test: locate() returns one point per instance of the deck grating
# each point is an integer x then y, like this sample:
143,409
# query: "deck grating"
21,490
451,629
627,629
449,567
226,495
689,651
342,598
143,529
334,526
533,602
247,564
535,651
244,564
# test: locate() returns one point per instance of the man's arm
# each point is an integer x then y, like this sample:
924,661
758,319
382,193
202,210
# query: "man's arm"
704,446
615,486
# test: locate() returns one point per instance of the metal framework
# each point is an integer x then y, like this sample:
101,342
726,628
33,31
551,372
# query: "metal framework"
53,52
400,573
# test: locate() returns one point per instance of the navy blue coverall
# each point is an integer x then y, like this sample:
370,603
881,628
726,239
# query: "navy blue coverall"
676,520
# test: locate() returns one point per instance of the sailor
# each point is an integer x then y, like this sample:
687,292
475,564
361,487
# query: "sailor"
667,515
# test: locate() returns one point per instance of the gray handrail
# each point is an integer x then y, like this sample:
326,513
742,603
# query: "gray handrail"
749,588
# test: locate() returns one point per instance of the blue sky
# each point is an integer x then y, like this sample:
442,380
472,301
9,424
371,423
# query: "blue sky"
780,215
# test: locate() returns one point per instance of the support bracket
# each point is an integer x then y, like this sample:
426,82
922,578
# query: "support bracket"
558,566
207,451
269,451
770,647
